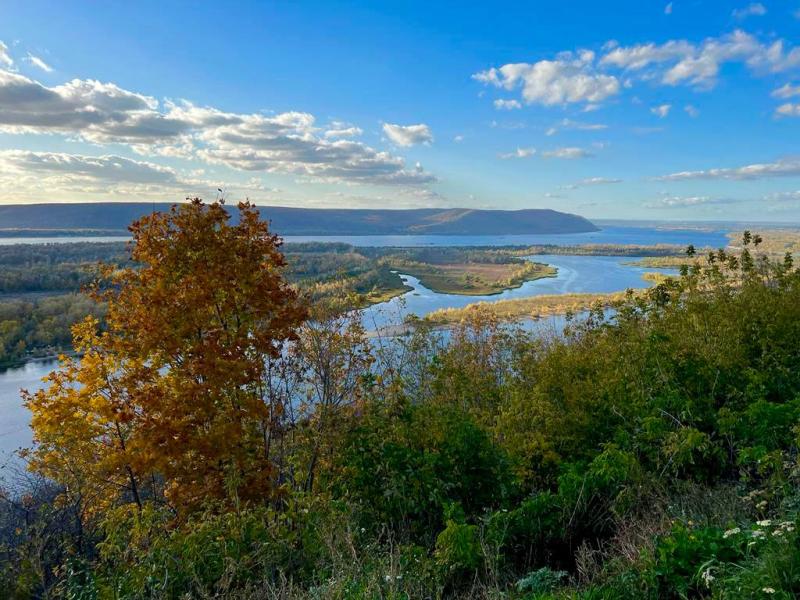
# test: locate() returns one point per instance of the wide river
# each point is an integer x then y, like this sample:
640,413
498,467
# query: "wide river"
607,235
575,274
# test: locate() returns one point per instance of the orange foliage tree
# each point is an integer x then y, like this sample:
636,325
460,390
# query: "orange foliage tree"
172,398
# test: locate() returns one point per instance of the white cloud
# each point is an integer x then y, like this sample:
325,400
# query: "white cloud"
566,124
596,181
568,79
786,91
5,57
39,63
519,153
754,9
638,57
667,201
668,9
568,153
501,104
38,176
679,61
788,110
408,135
661,111
780,168
289,143
458,139
339,131
55,171
692,111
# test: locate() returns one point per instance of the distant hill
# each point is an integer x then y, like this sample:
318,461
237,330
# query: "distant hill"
115,217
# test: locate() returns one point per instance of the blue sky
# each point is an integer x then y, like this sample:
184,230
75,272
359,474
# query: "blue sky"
645,110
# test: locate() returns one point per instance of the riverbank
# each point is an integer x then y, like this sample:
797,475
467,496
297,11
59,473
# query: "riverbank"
534,307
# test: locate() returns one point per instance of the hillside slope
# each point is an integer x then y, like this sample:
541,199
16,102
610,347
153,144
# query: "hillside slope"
309,221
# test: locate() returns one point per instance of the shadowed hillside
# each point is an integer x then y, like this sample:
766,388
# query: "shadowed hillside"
110,217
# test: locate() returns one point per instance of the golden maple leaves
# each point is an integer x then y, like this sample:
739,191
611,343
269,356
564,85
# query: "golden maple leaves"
170,399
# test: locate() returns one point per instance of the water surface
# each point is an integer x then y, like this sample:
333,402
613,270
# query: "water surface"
576,274
716,238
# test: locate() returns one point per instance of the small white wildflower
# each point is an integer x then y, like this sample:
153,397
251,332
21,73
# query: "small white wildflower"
363,530
768,590
762,505
387,578
764,523
731,532
777,533
758,534
707,577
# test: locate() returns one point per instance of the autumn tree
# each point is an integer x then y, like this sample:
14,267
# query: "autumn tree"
174,392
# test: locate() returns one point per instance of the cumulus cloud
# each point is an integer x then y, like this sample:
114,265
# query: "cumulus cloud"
583,78
568,153
5,57
288,143
788,110
780,168
661,111
786,91
754,9
39,63
501,104
679,61
91,174
339,130
408,135
519,153
570,78
38,176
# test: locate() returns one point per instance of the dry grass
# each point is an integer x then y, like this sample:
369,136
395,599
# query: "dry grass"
534,307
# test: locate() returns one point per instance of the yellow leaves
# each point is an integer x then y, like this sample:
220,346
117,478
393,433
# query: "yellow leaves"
172,389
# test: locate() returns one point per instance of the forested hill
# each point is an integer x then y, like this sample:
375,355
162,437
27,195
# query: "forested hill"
110,217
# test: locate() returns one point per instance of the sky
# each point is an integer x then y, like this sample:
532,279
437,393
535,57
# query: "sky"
681,110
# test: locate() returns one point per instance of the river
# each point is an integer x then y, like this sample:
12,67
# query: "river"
595,274
646,236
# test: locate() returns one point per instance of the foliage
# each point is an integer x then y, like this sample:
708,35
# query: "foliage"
172,394
648,452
